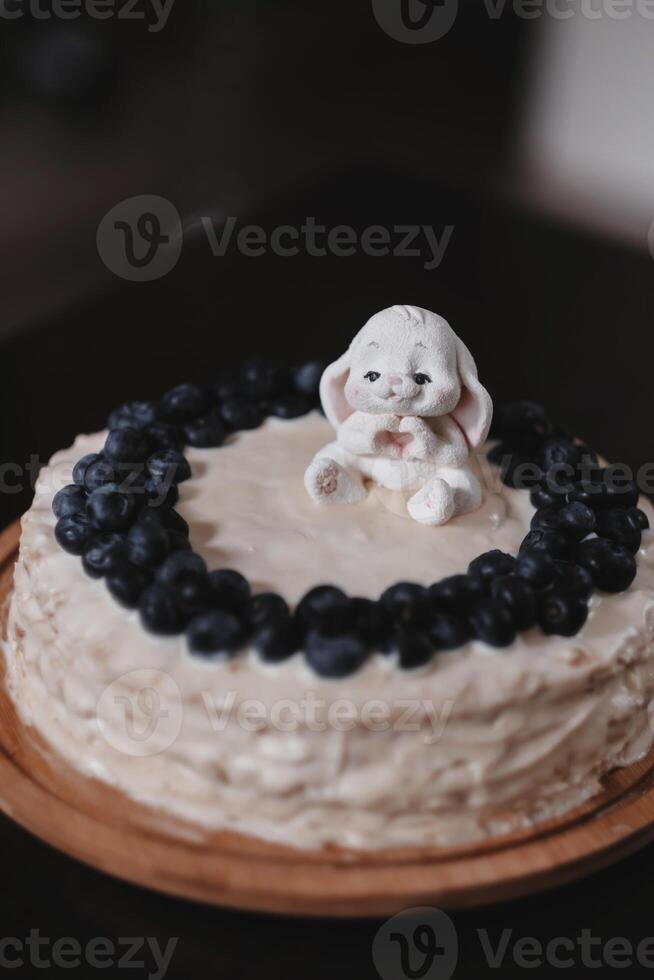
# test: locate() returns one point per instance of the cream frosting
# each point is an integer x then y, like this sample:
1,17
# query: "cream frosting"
478,742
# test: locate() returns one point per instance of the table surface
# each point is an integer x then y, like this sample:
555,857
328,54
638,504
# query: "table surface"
45,891
539,306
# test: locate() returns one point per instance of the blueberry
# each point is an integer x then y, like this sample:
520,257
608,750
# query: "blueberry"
277,640
178,541
560,479
334,656
164,435
536,566
193,593
207,432
560,452
523,424
99,472
161,492
492,623
414,648
456,593
127,583
620,490
584,492
74,533
613,568
111,510
541,497
185,402
518,597
105,554
169,464
573,579
231,589
133,415
325,608
148,544
80,468
576,520
165,517
239,413
306,379
546,519
159,611
131,479
561,613
449,631
227,386
69,500
619,526
179,566
215,632
126,446
406,604
371,621
289,407
262,379
555,543
491,564
639,518
267,609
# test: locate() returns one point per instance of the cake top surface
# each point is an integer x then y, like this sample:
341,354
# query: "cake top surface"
268,528
224,529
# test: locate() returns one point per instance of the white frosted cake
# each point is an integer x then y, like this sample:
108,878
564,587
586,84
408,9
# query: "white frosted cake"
446,711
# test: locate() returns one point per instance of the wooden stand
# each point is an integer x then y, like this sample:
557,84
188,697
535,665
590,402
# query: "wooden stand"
94,823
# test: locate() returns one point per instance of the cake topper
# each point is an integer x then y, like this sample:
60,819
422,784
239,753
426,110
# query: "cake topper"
408,408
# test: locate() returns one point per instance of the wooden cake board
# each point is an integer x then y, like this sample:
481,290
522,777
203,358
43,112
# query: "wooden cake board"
94,823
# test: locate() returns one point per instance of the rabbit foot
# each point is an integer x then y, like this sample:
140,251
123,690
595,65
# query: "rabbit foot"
330,483
433,504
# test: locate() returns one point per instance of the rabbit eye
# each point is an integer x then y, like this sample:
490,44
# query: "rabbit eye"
372,375
422,379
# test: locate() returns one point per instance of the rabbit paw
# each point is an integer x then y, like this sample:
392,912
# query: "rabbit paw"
420,440
328,482
433,504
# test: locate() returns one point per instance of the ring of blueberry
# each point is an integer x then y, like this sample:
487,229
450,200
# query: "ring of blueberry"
119,516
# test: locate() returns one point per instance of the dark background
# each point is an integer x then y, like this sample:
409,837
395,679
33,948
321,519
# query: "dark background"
273,112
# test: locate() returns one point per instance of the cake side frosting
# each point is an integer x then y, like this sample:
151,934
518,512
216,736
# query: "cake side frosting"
499,738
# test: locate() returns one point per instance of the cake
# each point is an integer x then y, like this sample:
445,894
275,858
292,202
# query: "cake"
413,633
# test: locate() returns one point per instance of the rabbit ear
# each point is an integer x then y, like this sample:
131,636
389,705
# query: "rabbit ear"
474,412
332,391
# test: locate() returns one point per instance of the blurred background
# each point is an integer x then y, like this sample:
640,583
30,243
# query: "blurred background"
522,136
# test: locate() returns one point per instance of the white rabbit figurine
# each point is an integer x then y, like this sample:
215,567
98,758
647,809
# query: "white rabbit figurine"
408,409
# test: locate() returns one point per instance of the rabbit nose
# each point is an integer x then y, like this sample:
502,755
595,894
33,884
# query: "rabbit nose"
394,380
